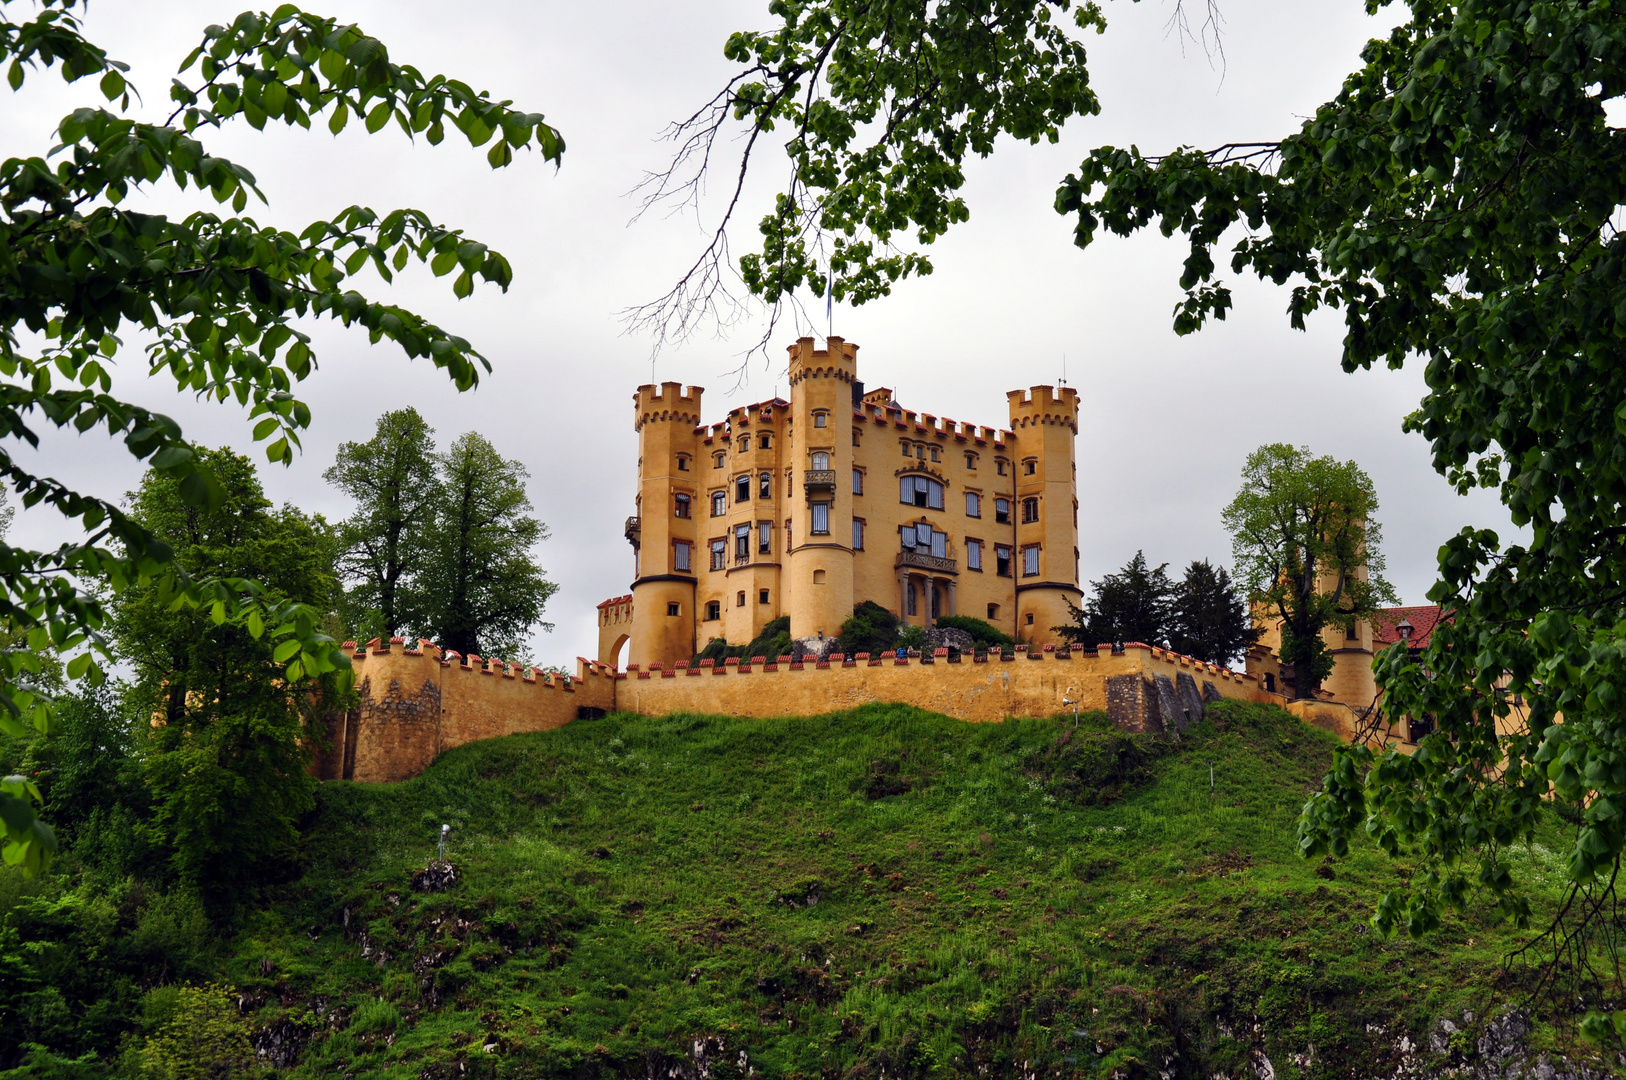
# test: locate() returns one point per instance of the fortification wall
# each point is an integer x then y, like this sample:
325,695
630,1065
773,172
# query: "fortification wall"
1141,689
417,703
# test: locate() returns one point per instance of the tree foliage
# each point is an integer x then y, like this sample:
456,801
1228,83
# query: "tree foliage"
231,738
878,106
1457,200
1131,605
1208,616
218,298
481,589
384,543
1306,540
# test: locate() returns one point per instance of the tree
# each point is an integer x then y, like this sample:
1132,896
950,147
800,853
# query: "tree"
231,738
219,296
1208,617
1131,605
870,628
482,591
880,105
383,543
1306,540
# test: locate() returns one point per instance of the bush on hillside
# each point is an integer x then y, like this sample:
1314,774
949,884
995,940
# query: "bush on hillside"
773,641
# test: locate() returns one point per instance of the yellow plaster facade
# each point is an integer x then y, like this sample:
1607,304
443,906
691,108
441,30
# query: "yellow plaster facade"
807,506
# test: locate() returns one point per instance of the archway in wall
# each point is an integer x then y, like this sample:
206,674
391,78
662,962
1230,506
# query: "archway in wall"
618,652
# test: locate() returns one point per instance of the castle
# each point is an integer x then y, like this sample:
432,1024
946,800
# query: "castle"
803,508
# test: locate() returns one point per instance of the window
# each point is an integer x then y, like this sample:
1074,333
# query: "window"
1030,618
680,505
762,596
764,538
999,466
973,504
971,461
920,451
764,441
1030,560
674,610
821,461
922,539
1002,511
973,554
719,553
680,556
858,536
717,459
920,491
934,453
993,612
719,503
1002,560
714,610
858,481
739,598
937,601
765,486
1352,632
1029,466
1030,511
818,577
821,419
683,463
742,489
742,543
912,607
855,436
821,519
905,449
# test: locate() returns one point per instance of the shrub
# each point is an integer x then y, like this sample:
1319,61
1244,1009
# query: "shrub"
872,629
375,1014
195,1032
985,634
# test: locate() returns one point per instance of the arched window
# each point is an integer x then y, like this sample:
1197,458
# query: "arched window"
742,544
742,489
821,419
1029,466
680,505
821,460
719,503
934,453
765,486
1030,510
920,491
1002,511
719,554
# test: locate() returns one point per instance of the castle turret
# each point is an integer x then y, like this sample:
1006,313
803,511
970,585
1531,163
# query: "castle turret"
663,531
819,565
1044,421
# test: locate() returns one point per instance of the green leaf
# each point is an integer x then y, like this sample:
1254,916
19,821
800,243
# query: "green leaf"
77,666
285,650
112,84
340,117
378,117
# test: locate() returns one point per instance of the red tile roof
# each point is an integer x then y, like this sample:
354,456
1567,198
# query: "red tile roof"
1423,620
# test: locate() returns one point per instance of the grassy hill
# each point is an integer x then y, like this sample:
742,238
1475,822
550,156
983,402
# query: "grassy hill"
877,892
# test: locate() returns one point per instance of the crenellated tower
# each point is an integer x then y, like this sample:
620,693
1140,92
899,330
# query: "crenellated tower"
663,532
1044,421
819,563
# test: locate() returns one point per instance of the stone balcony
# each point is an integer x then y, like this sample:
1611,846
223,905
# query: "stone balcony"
916,561
819,482
634,531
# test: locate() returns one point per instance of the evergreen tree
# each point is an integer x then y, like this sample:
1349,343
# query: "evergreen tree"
229,743
1209,617
482,591
1132,605
383,543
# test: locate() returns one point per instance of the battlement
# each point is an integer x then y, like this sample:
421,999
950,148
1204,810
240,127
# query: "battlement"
1044,405
926,424
837,360
667,403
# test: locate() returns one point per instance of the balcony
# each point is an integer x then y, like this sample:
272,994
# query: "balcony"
819,482
917,561
633,532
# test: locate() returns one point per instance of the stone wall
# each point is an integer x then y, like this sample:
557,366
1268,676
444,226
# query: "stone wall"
416,703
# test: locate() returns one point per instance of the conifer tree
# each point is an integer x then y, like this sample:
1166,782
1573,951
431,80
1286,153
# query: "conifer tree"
1208,616
1131,605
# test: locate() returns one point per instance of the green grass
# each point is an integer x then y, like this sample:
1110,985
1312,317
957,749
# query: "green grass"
883,891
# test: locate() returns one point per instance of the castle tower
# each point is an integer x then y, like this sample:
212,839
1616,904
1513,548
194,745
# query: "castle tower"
1045,509
819,564
663,534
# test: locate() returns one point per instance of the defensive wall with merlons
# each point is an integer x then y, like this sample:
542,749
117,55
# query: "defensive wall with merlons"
416,703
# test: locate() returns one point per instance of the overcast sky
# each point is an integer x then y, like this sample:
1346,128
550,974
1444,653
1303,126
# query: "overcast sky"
1165,422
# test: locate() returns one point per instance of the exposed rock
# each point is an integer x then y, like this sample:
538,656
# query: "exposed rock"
438,876
277,1044
1211,693
1190,699
948,637
1168,704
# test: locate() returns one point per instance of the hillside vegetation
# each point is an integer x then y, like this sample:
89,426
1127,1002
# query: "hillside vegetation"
877,892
